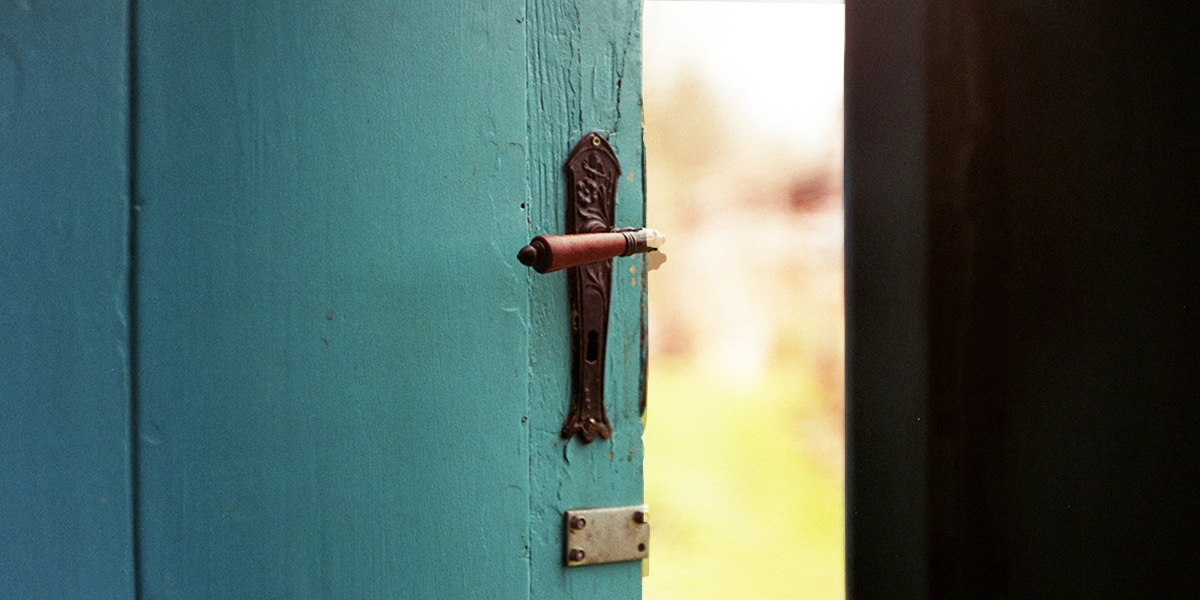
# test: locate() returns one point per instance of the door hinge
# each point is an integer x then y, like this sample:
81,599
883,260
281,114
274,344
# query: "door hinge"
605,535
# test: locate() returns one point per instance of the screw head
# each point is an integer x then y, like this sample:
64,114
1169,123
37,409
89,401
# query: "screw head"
576,554
578,523
639,516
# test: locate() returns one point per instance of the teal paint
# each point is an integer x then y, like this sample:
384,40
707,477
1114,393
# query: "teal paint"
65,505
348,386
584,75
334,333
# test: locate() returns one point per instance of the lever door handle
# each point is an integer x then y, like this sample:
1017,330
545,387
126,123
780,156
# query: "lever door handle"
549,253
588,246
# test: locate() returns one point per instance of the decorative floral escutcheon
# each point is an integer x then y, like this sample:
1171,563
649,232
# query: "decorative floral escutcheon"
592,172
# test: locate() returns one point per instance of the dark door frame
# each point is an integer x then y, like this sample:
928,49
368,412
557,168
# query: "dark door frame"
1022,200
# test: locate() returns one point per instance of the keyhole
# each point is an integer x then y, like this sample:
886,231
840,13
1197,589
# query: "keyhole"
593,346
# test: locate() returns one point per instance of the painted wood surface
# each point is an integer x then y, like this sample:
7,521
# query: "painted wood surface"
65,513
348,386
585,75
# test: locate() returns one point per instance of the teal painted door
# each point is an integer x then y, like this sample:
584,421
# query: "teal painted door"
272,337
65,489
347,387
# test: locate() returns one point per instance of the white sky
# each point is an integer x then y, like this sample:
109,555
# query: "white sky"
778,64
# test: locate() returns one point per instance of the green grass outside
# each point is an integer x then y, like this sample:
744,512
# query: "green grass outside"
743,504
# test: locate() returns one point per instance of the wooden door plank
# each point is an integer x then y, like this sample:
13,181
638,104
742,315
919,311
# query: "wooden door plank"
585,75
334,328
65,502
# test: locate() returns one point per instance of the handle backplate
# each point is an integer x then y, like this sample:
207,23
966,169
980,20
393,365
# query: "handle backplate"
592,172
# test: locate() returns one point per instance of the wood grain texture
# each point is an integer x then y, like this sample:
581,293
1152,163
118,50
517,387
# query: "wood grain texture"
65,502
334,357
584,75
349,386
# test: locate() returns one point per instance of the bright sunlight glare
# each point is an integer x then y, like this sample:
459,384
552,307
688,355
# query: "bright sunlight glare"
744,438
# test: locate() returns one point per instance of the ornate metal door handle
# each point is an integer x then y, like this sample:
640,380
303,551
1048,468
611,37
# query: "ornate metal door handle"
587,249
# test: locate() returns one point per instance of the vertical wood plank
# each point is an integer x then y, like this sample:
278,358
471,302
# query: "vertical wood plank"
584,75
65,505
334,326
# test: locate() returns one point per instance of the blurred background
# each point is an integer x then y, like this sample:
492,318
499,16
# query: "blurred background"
744,438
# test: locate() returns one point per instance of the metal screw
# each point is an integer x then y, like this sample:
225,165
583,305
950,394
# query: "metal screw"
595,140
639,516
576,554
578,523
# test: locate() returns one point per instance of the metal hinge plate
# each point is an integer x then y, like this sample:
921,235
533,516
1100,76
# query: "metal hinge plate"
605,535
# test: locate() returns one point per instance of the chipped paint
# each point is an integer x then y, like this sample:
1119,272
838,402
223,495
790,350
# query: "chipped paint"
596,89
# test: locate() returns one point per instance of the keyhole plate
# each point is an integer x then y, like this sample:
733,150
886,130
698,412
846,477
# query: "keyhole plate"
592,173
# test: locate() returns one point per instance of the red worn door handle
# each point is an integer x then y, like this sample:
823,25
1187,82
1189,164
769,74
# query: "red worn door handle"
589,246
548,253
